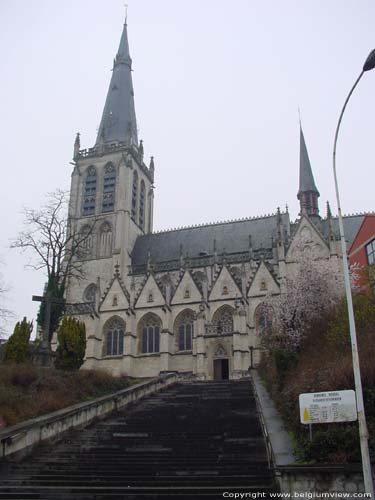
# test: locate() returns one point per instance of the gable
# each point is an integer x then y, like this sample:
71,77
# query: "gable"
307,240
186,291
150,295
263,283
115,298
225,287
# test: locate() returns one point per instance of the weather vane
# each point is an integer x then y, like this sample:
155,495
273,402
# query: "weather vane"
126,12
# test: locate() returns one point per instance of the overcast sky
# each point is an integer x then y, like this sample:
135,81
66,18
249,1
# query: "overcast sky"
217,90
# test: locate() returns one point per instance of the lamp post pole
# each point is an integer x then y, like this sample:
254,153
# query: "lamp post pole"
363,432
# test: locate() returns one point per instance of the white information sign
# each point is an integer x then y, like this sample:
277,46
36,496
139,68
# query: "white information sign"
326,407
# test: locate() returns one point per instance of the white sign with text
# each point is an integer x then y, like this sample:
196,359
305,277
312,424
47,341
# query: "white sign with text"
327,407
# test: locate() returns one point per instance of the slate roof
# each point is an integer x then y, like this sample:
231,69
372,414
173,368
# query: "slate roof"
230,238
226,237
118,121
351,225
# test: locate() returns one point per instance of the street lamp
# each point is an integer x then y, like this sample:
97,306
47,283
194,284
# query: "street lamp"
363,432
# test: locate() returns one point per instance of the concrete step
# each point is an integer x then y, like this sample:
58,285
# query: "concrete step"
194,440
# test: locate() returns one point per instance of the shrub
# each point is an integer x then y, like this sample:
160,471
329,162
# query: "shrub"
71,337
17,346
337,443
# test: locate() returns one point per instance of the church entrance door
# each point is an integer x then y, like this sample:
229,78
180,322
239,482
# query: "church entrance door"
221,369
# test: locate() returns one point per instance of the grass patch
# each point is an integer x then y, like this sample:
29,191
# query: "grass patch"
27,391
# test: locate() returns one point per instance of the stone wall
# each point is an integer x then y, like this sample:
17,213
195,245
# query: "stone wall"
302,479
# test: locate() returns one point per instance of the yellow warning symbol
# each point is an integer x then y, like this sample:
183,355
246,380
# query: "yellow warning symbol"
306,415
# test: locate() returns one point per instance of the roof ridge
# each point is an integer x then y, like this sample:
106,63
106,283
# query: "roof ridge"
356,214
218,223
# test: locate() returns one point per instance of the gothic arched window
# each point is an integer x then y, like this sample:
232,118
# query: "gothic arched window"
149,332
142,200
105,240
223,319
109,186
90,293
114,331
184,329
86,242
134,196
89,192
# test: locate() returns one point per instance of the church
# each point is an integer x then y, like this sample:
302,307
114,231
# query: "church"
183,300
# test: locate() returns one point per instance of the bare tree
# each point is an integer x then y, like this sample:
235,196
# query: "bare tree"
56,246
5,313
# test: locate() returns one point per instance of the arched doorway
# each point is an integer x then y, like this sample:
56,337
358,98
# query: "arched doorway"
221,364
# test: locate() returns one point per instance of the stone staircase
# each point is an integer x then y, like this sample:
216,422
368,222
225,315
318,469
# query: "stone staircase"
192,440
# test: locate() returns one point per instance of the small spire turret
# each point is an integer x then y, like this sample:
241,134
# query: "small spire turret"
152,168
280,228
141,150
329,213
278,215
331,236
77,146
149,265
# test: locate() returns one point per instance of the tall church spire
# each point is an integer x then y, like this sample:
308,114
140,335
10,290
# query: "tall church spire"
308,194
119,123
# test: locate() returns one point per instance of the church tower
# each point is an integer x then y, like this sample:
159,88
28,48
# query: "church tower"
308,194
111,196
